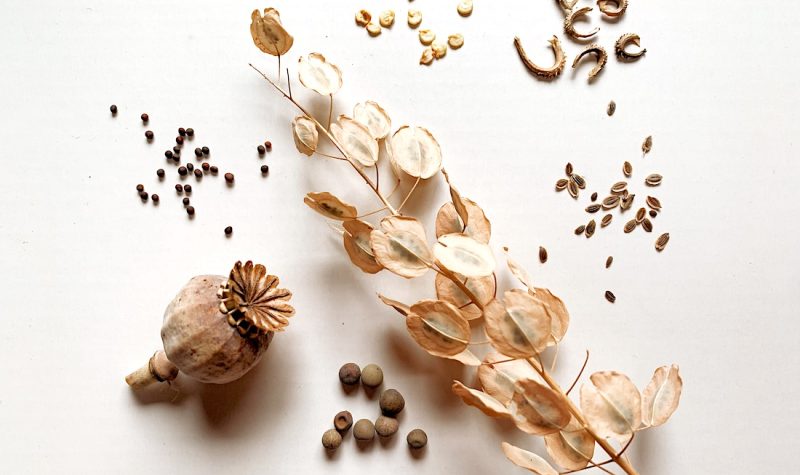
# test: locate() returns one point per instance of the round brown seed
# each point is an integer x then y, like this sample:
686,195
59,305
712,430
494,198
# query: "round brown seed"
364,430
331,439
181,131
214,169
148,135
143,195
190,167
145,118
343,421
179,188
140,187
113,109
372,376
179,140
653,213
391,402
190,210
205,150
198,152
160,173
268,145
386,426
190,132
264,169
187,188
155,198
182,171
229,177
228,231
206,166
186,202
198,174
168,154
417,439
349,374
261,150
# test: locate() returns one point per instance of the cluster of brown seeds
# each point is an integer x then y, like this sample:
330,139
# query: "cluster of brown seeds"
391,403
434,49
612,9
573,183
173,156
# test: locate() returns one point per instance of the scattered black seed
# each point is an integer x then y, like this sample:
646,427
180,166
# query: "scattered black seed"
155,198
229,177
653,213
148,135
198,174
168,154
190,210
206,166
113,109
268,145
185,201
179,140
143,195
264,169
187,188
214,169
228,231
160,173
190,132
594,196
610,296
176,150
198,152
181,131
139,187
182,171
261,150
179,188
145,118
609,261
189,166
205,150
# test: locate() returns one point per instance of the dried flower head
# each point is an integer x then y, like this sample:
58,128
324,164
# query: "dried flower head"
253,302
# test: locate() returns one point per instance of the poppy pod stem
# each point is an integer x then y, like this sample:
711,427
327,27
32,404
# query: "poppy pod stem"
158,369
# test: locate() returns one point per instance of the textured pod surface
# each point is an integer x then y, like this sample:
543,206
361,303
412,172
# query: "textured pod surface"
199,340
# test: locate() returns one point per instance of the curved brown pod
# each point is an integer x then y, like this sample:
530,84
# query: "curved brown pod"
551,72
599,52
623,42
569,24
612,8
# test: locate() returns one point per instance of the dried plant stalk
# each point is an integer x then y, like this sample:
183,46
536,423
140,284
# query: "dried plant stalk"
521,324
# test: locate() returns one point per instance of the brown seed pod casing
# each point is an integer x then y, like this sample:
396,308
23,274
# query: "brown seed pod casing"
600,54
623,42
569,24
612,8
343,421
547,73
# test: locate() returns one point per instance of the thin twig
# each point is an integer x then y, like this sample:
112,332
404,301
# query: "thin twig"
411,192
329,156
586,360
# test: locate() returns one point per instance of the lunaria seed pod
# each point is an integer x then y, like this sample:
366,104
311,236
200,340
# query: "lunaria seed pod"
217,328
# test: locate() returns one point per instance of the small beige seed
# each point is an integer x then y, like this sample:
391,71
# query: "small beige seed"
386,19
414,18
612,107
391,402
386,426
417,439
331,439
372,376
465,8
426,37
439,49
363,18
364,430
373,29
427,56
455,41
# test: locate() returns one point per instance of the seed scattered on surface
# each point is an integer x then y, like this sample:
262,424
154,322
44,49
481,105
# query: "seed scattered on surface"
439,49
372,376
187,188
573,189
653,180
464,8
331,439
561,184
205,150
391,402
612,107
627,201
593,197
427,56
198,152
214,169
426,37
113,109
455,41
578,180
606,220
568,169
190,167
363,18
593,208
145,118
228,231
662,241
182,171
590,228
349,374
627,169
414,18
647,145
619,187
229,177
176,150
630,226
140,187
185,201
181,131
653,213
261,150
386,426
168,154
609,261
542,254
155,198
611,202
179,188
190,210
206,166
264,169
653,203
343,421
417,439
386,19
640,214
148,135
143,195
198,174
179,140
647,225
364,430
268,145
190,132
580,229
374,29
610,296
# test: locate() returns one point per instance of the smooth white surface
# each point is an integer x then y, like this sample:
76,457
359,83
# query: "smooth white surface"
89,268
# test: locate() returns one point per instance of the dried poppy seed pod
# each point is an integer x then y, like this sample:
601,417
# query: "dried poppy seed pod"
217,328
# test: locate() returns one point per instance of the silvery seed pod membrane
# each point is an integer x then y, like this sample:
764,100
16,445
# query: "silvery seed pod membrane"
217,328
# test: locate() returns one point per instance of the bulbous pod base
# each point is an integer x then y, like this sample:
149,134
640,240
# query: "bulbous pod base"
198,339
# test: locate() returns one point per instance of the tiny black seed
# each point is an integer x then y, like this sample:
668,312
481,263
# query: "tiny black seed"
261,150
179,140
182,171
145,118
176,150
179,188
113,108
228,231
190,210
264,169
186,202
148,135
214,169
206,166
229,177
187,188
189,166
268,145
168,154
190,132
143,195
160,172
205,150
653,213
181,131
155,198
198,152
140,187
198,173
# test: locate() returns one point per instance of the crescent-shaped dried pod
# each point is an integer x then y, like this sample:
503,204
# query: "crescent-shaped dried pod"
551,72
599,52
569,24
567,5
330,206
217,328
612,8
623,42
528,460
480,400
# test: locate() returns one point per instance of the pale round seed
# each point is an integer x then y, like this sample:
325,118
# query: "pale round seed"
386,426
363,18
417,439
465,8
414,18
386,19
374,29
455,41
372,376
439,49
426,37
364,430
391,402
331,439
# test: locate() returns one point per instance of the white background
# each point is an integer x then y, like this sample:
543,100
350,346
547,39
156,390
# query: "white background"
89,268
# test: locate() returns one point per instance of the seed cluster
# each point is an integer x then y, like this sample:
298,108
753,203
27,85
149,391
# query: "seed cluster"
391,403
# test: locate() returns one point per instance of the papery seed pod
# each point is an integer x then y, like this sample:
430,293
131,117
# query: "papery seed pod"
217,328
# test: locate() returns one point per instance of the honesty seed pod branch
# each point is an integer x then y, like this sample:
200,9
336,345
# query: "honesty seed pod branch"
519,323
